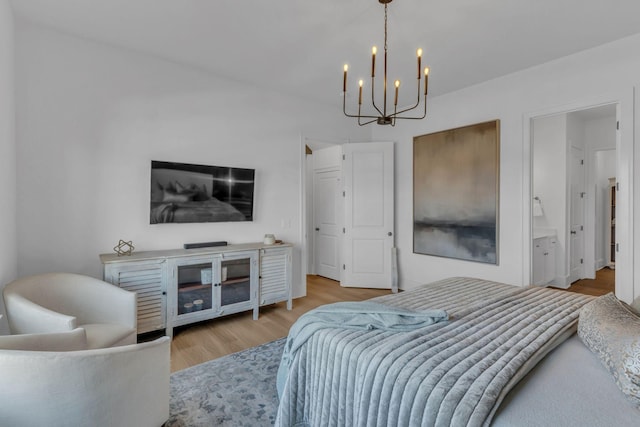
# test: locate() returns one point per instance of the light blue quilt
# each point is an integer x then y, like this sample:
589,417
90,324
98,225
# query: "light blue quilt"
442,373
361,315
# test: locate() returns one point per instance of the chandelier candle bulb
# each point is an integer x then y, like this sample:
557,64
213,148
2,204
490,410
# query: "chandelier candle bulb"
426,80
374,50
395,102
360,83
419,64
344,80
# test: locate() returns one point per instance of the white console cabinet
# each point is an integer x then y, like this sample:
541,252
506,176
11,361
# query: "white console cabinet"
544,260
183,286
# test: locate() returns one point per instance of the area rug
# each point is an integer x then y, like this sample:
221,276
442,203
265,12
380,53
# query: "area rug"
234,390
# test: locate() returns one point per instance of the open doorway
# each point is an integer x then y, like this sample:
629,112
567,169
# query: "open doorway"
574,163
349,214
322,174
326,212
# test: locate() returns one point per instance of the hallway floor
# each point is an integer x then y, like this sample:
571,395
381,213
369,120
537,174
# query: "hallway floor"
604,283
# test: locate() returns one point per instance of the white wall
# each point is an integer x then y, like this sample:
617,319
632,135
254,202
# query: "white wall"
600,133
549,170
577,79
549,173
8,254
92,117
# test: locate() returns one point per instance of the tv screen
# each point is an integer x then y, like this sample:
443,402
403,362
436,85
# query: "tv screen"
182,192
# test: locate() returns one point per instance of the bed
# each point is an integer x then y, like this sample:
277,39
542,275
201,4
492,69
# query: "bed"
503,356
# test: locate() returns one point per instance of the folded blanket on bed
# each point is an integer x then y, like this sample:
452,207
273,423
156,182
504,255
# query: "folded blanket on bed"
364,315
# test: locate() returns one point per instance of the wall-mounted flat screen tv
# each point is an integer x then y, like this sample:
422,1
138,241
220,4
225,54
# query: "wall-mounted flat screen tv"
182,192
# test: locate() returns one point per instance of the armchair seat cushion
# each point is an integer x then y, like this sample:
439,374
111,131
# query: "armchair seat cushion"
103,335
56,341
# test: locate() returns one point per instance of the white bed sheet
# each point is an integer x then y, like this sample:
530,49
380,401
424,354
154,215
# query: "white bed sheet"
570,388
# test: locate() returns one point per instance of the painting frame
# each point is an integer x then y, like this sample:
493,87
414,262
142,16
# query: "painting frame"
456,193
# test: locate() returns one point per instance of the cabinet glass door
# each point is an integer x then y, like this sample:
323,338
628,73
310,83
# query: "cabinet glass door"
195,285
235,281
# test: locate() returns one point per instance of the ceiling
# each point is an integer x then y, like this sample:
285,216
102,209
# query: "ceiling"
299,47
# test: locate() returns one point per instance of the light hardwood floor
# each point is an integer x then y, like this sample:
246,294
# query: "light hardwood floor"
604,283
204,341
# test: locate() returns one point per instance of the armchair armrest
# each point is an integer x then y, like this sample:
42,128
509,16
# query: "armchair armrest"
112,387
106,303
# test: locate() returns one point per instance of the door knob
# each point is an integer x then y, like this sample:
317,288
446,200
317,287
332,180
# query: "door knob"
317,228
389,234
573,232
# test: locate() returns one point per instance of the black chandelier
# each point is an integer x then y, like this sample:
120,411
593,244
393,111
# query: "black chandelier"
384,116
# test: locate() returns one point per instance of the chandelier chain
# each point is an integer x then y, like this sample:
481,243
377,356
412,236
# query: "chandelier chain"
385,28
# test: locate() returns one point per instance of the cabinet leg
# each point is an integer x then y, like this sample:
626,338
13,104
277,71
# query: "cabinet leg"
256,313
289,304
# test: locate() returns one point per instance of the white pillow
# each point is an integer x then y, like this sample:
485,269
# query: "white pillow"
55,341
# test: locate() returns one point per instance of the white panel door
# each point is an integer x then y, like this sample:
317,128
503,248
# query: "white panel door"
576,212
369,210
327,220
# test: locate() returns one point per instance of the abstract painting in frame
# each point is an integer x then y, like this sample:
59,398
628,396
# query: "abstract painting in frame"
456,193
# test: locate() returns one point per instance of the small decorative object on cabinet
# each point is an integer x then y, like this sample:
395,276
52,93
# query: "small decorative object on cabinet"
269,239
124,247
183,286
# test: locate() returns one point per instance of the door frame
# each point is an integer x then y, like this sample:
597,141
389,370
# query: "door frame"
624,99
306,174
571,210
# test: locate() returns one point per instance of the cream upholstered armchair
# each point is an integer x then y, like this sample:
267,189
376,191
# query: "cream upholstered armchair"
108,387
59,302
